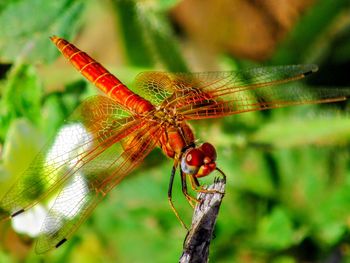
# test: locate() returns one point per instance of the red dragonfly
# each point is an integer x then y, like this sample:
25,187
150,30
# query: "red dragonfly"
109,136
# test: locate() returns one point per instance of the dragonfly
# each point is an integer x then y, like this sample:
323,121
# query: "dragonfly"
111,134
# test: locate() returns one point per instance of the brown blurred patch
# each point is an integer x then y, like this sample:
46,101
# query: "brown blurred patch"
244,28
17,245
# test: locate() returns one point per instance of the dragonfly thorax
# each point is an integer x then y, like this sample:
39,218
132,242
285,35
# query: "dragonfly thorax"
175,137
199,161
167,116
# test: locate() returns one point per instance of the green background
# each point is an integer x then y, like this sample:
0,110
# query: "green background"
288,188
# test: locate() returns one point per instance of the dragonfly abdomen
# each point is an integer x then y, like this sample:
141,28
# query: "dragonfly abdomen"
102,78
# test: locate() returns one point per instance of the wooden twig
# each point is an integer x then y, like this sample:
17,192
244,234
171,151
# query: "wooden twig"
196,245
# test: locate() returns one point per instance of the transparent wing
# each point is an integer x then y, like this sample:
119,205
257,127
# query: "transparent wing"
76,201
95,126
155,86
160,86
216,94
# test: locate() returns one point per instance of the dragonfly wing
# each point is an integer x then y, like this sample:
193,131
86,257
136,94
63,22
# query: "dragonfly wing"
269,97
77,200
96,125
158,86
215,94
155,86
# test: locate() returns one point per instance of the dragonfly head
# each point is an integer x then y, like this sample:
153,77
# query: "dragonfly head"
199,161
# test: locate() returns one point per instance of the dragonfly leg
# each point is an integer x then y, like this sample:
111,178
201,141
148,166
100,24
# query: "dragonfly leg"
197,187
191,200
194,183
210,191
221,173
200,189
170,199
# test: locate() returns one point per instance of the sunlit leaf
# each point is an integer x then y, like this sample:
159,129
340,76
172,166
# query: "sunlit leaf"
131,28
148,35
26,26
310,131
275,231
23,142
21,97
305,37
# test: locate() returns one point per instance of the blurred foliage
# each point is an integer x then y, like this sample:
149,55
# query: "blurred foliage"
24,30
288,170
306,40
147,35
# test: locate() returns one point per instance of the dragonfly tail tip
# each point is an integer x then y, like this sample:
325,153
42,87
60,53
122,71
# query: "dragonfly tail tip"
54,38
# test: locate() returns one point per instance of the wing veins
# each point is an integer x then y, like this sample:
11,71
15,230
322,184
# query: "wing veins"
49,240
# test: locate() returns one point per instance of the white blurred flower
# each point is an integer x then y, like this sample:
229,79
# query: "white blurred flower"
71,141
31,221
69,145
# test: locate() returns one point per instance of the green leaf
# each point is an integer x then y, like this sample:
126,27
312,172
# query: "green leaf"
53,114
22,144
5,258
331,219
305,36
161,40
26,26
331,232
284,259
21,97
148,35
165,4
275,231
298,132
137,51
249,171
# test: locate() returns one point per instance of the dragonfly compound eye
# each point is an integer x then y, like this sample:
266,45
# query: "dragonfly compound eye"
192,160
209,158
209,151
